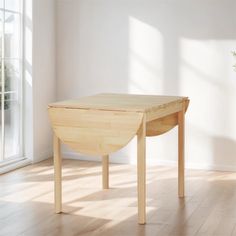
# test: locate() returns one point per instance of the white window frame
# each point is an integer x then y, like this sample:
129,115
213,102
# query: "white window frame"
13,159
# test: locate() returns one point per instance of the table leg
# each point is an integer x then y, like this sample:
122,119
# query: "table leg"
57,175
141,165
181,122
105,172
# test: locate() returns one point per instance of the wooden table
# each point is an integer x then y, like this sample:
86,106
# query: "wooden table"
102,124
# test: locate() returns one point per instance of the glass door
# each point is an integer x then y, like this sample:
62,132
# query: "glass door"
10,79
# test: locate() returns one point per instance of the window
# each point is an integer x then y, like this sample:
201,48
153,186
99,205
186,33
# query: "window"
11,79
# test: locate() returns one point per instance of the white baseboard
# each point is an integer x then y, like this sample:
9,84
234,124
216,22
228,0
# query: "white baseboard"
14,165
213,167
75,156
152,161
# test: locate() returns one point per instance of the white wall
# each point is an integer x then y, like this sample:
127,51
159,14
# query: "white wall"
157,47
43,74
40,81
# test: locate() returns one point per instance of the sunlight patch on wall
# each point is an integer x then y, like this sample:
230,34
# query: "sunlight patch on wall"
28,38
145,58
206,76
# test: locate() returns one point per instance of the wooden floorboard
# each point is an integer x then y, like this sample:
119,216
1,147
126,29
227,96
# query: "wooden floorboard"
26,202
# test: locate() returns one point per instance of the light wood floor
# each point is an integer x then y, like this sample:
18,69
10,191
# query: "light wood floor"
26,202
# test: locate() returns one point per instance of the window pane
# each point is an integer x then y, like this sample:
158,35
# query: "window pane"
1,33
12,35
1,110
12,108
13,5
